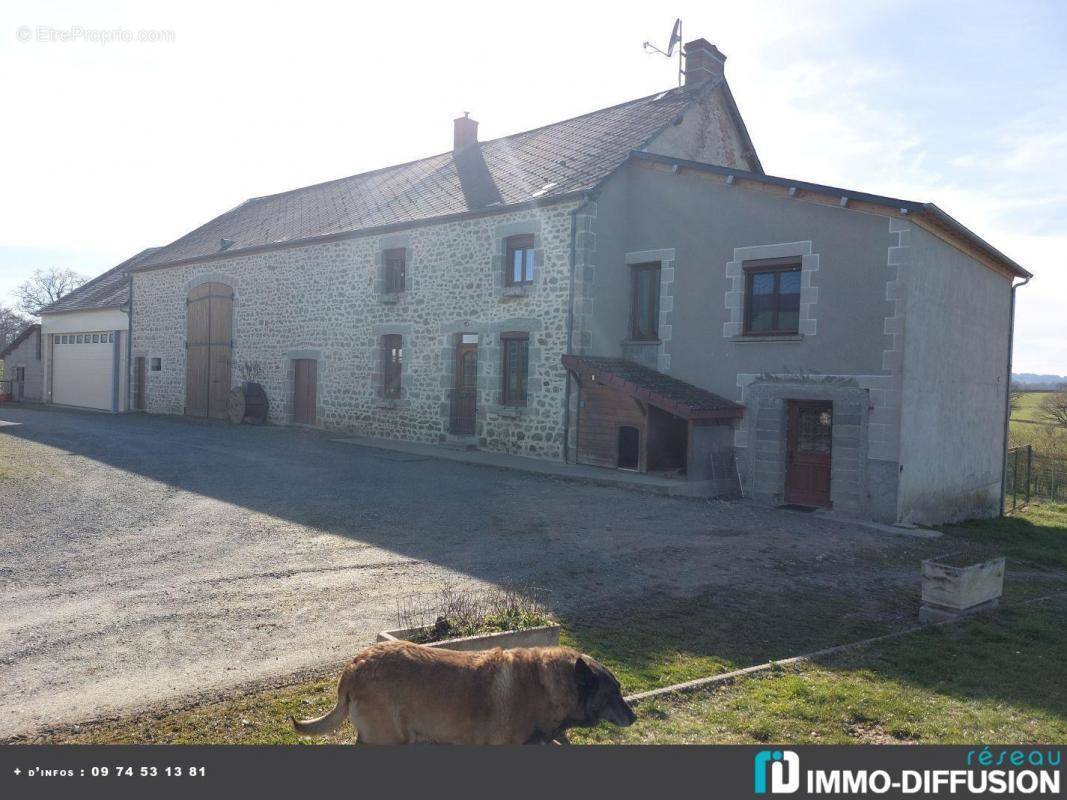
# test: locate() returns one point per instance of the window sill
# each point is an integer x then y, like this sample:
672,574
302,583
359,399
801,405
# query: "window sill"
639,342
516,291
391,405
389,298
770,337
510,412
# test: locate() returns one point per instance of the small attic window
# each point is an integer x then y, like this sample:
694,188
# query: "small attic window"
225,244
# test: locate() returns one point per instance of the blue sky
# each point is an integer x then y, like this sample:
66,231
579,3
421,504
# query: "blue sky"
110,148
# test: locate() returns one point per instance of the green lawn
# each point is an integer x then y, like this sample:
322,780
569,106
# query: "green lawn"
1029,406
995,679
998,677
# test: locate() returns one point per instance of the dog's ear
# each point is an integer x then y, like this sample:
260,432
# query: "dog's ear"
585,678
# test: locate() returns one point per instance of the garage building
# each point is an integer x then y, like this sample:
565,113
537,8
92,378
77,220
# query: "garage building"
85,337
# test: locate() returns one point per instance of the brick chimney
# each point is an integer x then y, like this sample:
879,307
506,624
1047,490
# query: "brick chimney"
702,61
464,132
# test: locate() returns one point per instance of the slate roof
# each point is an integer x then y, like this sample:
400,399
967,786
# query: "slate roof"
110,290
546,163
663,391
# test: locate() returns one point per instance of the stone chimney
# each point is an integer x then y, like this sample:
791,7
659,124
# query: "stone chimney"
464,133
702,61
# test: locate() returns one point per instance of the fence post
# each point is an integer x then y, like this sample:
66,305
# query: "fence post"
1014,476
1029,469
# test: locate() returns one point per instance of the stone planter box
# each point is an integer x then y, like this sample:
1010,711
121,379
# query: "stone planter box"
544,636
958,583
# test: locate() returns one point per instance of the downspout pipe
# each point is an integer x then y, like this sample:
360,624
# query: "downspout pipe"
129,346
568,347
1007,393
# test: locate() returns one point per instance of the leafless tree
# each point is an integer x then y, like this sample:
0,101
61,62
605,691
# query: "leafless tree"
46,286
1054,409
11,325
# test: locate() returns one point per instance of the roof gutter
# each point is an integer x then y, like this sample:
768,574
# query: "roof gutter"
1007,393
927,211
943,218
129,344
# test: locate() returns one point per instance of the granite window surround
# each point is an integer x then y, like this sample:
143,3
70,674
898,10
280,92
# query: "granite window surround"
654,353
491,364
515,368
386,247
406,332
734,299
501,268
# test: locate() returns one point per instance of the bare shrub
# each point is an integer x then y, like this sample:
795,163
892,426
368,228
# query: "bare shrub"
466,611
251,371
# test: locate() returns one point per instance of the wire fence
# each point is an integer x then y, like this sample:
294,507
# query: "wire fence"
1032,476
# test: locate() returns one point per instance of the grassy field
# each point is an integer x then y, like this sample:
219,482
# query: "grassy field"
1029,407
995,678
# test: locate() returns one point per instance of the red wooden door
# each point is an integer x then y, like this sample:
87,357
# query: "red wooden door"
807,479
305,396
465,391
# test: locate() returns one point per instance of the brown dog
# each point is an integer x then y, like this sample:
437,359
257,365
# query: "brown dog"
399,693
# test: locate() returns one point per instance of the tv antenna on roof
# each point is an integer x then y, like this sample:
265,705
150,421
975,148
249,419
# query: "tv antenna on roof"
675,41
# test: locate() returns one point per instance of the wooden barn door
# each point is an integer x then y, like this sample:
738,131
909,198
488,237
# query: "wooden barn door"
305,396
208,358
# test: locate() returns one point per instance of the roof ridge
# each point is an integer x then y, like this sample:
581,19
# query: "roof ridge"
370,172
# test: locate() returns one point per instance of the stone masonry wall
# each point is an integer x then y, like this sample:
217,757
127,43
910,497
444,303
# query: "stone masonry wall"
326,301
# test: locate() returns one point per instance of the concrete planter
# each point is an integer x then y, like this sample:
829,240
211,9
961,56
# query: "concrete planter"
544,636
960,583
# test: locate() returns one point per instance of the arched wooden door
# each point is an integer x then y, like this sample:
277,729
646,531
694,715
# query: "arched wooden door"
209,349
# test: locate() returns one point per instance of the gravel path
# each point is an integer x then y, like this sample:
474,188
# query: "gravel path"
144,559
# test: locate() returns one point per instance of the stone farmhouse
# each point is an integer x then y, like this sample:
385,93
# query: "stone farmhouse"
625,289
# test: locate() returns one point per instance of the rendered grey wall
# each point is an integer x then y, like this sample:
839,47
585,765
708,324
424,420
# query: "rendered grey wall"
955,361
25,355
703,222
846,255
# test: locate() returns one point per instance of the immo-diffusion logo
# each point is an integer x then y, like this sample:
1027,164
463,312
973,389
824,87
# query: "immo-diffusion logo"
784,769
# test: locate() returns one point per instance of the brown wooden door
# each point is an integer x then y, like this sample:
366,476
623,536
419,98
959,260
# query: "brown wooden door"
20,383
305,374
807,480
140,380
465,391
208,357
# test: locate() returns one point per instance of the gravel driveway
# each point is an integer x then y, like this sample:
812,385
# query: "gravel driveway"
144,559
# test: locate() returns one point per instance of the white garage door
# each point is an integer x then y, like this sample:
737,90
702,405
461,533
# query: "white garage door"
83,369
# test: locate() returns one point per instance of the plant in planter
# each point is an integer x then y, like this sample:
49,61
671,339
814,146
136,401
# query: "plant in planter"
249,400
472,619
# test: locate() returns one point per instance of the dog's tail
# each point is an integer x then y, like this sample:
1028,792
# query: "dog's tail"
327,722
